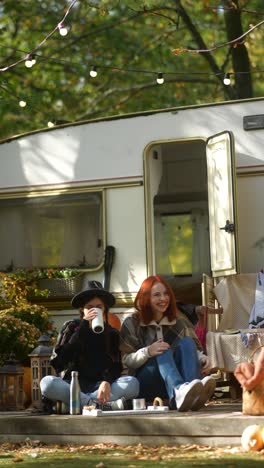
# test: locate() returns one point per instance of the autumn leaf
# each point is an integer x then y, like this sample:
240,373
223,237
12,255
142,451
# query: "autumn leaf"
177,51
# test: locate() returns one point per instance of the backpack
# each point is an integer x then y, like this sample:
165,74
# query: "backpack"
64,336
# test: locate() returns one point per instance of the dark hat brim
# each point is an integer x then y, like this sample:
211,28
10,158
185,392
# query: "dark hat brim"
80,299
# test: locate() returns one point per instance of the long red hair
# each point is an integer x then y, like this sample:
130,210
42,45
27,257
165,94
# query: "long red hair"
142,300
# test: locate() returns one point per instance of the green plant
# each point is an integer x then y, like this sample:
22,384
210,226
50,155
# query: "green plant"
19,286
34,314
22,322
50,273
16,336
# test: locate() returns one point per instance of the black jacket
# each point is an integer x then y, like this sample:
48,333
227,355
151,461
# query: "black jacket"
189,311
96,357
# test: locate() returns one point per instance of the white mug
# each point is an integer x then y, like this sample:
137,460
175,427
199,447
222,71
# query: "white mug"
98,321
139,403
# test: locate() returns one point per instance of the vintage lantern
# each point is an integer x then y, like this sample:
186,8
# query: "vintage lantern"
11,385
40,366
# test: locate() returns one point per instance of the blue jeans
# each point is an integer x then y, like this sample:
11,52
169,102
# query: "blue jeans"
55,388
160,375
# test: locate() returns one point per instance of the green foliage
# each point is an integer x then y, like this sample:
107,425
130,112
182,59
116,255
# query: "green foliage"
21,321
118,37
16,336
50,273
19,287
33,314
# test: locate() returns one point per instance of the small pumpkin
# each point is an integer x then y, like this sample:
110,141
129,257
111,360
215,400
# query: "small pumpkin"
252,438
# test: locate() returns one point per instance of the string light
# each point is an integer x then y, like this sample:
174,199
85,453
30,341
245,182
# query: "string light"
160,79
30,61
226,79
93,72
50,124
63,30
22,103
59,26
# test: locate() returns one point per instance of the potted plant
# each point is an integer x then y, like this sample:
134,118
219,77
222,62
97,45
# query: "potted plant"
59,282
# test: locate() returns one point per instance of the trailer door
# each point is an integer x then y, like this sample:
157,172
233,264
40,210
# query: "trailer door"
221,198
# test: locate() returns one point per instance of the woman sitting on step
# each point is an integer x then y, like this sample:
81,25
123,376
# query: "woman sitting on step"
163,352
95,356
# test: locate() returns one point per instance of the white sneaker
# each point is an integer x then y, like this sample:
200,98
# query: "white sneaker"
187,394
207,392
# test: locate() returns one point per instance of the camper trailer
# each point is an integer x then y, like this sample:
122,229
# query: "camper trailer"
176,192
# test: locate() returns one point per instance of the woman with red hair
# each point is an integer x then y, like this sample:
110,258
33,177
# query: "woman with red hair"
163,352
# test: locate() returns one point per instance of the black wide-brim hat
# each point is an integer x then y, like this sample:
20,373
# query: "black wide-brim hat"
94,289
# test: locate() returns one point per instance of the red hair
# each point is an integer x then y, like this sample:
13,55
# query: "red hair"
142,300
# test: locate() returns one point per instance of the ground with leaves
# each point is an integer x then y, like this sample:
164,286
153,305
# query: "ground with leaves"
33,453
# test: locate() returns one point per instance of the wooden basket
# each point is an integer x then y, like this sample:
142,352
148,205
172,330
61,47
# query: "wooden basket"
62,287
253,400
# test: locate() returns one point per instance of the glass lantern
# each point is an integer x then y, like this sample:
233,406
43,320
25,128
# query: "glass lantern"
40,367
11,385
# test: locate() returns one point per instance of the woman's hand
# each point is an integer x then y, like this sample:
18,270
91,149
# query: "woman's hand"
204,363
202,310
104,392
89,314
244,373
248,374
158,347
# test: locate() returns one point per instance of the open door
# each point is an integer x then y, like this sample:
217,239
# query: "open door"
222,215
153,174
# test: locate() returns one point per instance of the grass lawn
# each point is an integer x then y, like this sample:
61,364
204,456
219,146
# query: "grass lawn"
33,455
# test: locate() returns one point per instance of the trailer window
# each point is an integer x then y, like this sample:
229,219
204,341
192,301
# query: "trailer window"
52,231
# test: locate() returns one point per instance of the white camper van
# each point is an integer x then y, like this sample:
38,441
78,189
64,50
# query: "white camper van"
177,192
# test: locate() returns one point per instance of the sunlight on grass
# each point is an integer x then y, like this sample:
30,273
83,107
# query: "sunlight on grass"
130,457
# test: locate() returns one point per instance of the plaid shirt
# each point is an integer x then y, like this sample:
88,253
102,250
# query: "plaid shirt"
136,337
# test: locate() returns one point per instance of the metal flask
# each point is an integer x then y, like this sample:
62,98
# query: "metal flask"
75,397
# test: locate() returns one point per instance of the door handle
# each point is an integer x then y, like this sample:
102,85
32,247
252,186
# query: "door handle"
229,227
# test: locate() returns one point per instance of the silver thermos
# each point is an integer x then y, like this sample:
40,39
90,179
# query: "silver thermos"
75,397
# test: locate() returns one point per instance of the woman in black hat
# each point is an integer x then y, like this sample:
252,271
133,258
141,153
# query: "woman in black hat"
95,356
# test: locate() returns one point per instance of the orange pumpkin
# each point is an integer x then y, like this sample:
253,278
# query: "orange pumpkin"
114,321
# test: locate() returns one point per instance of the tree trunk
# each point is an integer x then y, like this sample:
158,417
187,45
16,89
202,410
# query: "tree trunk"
229,90
240,59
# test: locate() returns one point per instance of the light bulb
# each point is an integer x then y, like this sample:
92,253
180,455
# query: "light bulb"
62,29
50,124
22,103
30,61
160,79
93,72
227,80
